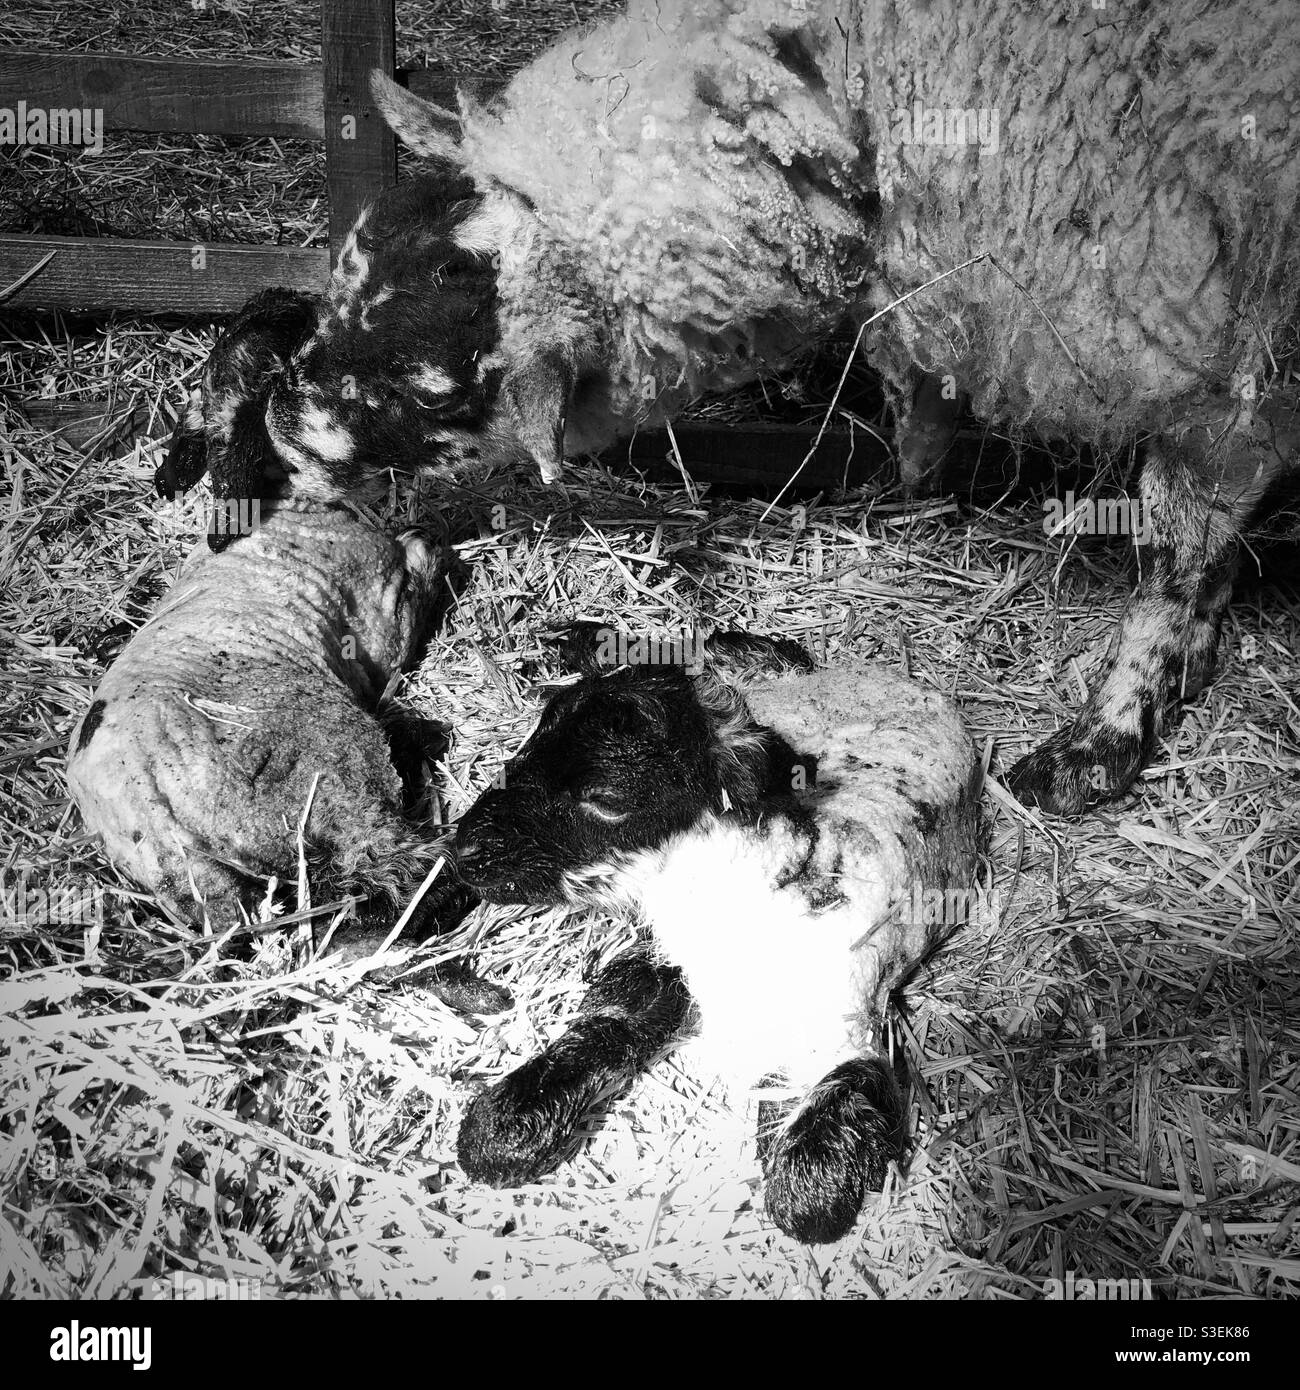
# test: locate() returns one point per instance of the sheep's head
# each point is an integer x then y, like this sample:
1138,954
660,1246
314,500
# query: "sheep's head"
621,762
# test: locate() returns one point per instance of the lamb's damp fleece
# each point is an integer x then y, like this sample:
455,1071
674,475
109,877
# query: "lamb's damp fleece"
246,703
777,848
792,929
714,184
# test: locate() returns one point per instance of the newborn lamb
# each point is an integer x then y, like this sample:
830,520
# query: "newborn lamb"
775,844
246,706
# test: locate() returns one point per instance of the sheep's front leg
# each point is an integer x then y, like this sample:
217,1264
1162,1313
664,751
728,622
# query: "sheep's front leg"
1163,650
821,1161
524,1126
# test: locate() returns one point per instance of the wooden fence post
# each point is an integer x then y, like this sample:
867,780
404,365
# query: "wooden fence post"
360,151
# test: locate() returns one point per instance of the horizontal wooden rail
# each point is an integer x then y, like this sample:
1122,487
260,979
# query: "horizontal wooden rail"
749,456
190,96
167,95
164,277
756,456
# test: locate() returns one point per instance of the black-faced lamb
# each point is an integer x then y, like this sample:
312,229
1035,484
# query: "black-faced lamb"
692,192
238,728
776,844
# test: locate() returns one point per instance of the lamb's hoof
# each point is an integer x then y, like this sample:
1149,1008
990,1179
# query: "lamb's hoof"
813,1196
834,1151
461,989
518,1130
1068,774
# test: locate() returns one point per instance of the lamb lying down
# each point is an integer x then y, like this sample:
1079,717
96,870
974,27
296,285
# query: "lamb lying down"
774,843
244,708
252,684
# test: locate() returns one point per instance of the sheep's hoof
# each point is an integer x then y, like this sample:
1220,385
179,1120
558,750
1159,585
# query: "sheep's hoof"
1068,774
520,1129
835,1150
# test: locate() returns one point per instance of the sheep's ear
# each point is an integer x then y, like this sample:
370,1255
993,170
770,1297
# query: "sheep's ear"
535,393
742,656
187,454
420,125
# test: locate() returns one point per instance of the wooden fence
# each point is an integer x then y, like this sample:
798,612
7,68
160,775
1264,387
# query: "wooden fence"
328,101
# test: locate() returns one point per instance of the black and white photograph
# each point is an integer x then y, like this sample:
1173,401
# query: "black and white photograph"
649,651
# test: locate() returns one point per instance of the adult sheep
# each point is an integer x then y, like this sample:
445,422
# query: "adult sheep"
774,828
696,190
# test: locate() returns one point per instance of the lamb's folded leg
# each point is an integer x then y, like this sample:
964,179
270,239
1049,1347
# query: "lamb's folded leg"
823,1159
523,1127
1163,650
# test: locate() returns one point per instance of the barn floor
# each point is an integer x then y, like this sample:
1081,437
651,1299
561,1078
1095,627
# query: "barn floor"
1106,1084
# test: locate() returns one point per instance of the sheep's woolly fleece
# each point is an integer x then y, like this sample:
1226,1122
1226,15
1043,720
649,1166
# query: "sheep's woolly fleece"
244,701
735,175
790,945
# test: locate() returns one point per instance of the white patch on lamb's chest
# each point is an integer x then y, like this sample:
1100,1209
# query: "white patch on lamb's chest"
779,986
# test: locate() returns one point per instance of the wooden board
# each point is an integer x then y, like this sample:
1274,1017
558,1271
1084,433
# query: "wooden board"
756,456
86,423
441,88
360,151
165,94
164,277
196,96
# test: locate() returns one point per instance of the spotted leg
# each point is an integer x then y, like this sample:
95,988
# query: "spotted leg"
1163,651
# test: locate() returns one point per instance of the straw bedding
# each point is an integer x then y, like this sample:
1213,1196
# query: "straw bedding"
1104,1081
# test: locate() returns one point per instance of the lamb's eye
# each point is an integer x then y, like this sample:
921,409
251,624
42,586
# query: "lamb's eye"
602,810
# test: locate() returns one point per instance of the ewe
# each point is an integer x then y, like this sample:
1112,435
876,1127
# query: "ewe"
696,191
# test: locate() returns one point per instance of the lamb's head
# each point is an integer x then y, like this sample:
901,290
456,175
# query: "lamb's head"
620,763
456,334
391,598
222,431
400,370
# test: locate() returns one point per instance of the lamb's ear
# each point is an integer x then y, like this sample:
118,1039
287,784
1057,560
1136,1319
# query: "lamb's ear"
420,125
238,476
741,746
187,454
742,656
535,393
